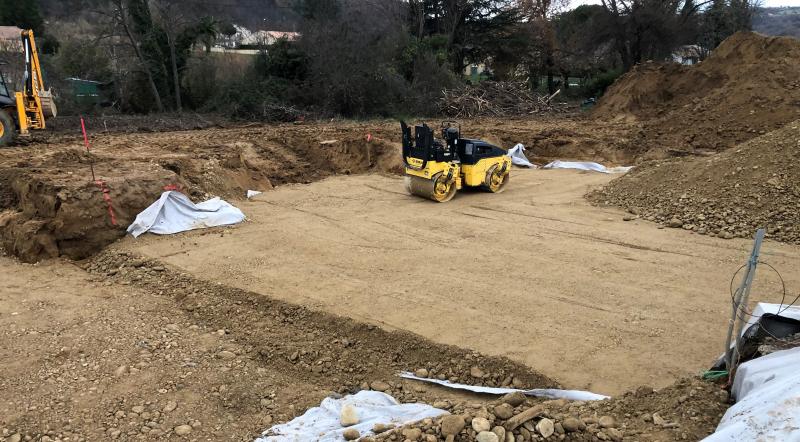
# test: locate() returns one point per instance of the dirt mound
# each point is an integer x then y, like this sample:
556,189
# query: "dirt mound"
746,87
728,195
688,410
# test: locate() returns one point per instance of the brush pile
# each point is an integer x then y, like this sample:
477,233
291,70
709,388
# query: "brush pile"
495,99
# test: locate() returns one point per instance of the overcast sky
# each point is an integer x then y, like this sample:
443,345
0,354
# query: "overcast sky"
767,3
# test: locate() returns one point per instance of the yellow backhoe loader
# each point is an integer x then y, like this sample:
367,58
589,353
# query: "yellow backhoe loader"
437,168
26,110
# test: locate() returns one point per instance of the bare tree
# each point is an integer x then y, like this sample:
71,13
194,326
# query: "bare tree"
170,16
120,17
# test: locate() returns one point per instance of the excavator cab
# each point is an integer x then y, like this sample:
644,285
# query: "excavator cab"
26,110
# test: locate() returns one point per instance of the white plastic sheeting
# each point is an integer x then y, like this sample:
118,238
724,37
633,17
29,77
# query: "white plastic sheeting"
552,393
518,158
585,165
174,212
767,390
322,423
252,193
787,311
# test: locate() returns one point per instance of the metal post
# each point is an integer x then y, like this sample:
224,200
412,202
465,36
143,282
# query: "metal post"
742,295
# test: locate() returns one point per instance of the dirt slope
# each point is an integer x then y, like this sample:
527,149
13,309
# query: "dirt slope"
730,194
131,349
748,86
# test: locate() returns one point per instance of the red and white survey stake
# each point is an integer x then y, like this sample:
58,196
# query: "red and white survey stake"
100,183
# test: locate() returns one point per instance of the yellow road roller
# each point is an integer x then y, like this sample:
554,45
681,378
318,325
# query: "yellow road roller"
437,168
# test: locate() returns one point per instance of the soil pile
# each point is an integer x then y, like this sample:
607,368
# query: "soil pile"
728,195
688,410
748,86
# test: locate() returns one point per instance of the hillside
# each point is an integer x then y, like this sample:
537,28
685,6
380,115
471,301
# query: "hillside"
778,21
276,15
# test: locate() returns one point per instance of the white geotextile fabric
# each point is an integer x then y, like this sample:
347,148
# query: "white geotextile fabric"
322,423
518,158
767,390
585,165
551,393
787,311
174,212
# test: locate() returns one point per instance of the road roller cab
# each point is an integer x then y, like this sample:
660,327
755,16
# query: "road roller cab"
437,168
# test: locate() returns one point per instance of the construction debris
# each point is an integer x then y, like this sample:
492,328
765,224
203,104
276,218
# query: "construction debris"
681,412
496,99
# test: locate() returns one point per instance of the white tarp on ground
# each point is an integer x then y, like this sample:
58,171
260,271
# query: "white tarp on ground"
322,423
174,212
787,311
518,158
552,393
767,390
586,165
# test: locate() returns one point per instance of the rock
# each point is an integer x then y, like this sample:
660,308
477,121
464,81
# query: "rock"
500,432
559,428
504,411
225,354
614,434
606,421
138,409
675,223
545,427
170,406
628,218
182,430
382,428
476,372
572,424
421,373
486,436
348,415
480,424
380,386
658,420
16,437
452,425
121,370
514,399
412,434
351,434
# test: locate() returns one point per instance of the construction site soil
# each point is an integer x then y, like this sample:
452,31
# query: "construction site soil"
50,206
732,194
219,334
747,87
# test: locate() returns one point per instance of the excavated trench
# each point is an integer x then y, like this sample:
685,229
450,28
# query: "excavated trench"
50,206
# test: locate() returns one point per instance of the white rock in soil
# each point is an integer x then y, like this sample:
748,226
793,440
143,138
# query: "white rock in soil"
486,436
183,430
480,424
348,416
545,427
